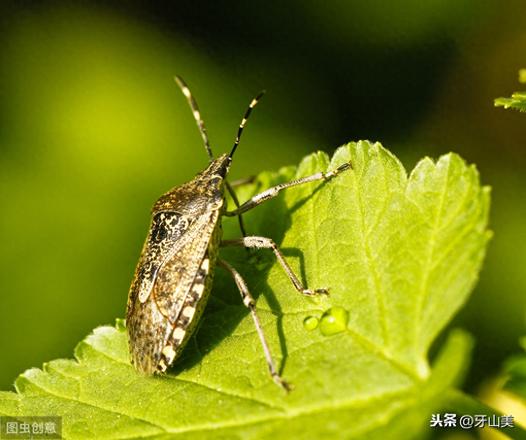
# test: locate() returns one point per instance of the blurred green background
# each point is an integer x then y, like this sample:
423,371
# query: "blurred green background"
93,130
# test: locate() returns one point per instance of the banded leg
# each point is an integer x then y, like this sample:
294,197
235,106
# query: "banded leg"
251,305
275,190
267,243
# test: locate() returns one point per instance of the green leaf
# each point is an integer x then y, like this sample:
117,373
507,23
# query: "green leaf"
399,253
516,371
460,404
515,382
517,100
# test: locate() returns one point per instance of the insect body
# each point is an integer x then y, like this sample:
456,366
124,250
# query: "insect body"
173,278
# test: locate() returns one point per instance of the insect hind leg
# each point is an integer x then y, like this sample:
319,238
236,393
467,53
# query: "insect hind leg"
249,302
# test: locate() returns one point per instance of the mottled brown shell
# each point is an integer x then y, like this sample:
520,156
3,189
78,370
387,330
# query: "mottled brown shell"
174,275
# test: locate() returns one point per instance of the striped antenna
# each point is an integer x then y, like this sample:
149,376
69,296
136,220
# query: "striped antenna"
197,115
252,104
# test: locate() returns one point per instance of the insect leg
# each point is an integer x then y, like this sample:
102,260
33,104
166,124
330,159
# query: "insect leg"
236,202
268,243
249,302
275,190
242,181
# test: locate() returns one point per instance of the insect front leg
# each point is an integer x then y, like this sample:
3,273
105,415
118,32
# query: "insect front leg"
236,202
249,302
255,242
242,181
275,190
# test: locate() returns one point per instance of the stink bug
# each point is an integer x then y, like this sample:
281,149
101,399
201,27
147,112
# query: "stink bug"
173,278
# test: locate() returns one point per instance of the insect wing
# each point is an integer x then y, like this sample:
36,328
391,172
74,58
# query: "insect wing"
166,230
163,280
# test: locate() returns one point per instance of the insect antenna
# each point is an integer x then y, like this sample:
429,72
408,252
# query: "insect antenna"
197,114
252,104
